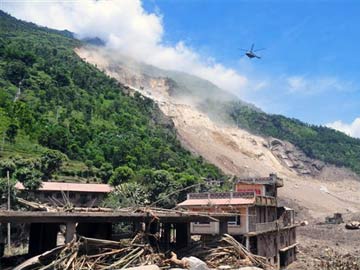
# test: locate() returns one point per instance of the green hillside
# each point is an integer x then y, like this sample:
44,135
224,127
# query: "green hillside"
317,142
69,106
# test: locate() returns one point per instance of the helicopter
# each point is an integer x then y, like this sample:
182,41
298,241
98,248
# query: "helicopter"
251,53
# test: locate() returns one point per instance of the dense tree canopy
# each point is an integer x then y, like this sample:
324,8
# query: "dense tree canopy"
317,142
69,106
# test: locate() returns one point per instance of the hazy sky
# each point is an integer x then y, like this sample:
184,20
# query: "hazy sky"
310,69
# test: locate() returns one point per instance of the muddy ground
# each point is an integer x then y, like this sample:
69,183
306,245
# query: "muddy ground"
317,239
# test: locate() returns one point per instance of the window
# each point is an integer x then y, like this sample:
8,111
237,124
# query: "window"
235,221
282,239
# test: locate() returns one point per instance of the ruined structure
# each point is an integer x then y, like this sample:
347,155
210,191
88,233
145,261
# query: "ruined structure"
263,227
79,194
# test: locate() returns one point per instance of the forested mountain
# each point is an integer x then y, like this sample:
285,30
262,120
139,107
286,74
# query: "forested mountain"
317,142
51,99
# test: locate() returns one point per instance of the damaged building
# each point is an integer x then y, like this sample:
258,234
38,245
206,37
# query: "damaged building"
78,194
258,223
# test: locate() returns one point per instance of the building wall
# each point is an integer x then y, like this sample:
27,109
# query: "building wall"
234,228
257,188
287,237
265,214
267,246
79,199
252,218
287,257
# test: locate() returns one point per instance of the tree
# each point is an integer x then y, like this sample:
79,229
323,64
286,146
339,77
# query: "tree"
12,132
15,71
121,174
30,178
51,161
6,166
105,172
126,195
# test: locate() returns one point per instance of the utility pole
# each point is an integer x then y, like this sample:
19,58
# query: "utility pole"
3,142
8,207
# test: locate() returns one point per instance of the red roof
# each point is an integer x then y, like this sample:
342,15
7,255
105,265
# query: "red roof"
77,187
210,202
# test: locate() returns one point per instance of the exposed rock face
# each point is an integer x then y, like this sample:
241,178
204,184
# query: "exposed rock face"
294,158
318,189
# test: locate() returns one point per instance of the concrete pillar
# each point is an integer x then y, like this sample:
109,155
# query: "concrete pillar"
183,236
223,227
247,243
166,237
70,231
2,242
43,237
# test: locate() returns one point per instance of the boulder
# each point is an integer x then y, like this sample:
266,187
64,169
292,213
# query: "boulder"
144,267
353,225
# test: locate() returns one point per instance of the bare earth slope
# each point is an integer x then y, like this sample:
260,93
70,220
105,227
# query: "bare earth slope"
238,152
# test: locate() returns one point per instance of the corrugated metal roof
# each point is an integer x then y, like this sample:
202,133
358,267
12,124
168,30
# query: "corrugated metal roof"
77,187
210,202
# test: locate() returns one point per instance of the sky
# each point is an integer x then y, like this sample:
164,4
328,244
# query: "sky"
309,70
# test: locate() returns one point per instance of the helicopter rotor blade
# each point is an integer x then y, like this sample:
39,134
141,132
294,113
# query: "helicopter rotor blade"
252,47
260,49
243,50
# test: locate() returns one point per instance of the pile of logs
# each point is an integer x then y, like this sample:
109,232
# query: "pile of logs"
90,253
231,252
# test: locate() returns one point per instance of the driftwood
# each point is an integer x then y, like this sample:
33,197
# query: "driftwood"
58,207
183,263
230,252
36,206
37,261
90,253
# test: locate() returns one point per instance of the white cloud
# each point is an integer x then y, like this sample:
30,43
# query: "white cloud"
127,27
352,129
304,85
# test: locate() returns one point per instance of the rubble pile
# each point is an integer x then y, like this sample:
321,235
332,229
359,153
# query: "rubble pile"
231,252
89,253
335,261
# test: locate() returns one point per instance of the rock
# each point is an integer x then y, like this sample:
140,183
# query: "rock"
196,263
145,267
293,158
276,142
304,223
250,268
353,225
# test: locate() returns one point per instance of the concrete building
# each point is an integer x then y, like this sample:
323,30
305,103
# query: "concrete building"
263,227
81,195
